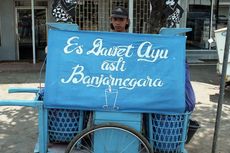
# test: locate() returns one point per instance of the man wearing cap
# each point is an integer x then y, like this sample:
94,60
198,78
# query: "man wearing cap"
120,23
119,19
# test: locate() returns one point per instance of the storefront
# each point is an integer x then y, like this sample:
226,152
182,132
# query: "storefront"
19,41
204,17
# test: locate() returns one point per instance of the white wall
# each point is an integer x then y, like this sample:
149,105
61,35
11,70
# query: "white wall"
8,44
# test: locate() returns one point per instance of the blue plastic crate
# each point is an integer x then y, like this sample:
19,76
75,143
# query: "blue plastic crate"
167,133
64,124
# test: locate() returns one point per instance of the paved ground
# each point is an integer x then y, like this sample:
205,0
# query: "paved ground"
18,128
206,85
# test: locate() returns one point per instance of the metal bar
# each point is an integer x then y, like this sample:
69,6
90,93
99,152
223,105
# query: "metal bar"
222,86
217,12
23,90
131,16
33,31
46,137
211,22
150,126
184,131
27,103
41,129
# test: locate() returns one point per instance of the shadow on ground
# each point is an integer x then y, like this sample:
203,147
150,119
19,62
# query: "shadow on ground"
215,98
18,125
202,140
207,83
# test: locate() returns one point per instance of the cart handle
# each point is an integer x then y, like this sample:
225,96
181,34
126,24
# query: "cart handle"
27,103
23,90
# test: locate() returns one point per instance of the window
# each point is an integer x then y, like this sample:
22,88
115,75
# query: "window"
199,19
28,3
95,14
204,21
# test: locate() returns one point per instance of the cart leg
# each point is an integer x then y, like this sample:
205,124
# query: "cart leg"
42,130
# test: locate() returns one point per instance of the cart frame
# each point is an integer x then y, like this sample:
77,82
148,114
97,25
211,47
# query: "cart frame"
42,145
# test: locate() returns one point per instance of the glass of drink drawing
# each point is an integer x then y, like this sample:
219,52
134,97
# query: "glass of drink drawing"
111,98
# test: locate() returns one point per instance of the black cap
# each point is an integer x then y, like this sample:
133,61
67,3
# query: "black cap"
120,12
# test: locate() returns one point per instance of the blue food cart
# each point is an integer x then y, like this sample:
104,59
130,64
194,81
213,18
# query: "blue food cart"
111,93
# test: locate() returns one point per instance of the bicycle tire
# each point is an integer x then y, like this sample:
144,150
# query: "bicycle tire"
79,142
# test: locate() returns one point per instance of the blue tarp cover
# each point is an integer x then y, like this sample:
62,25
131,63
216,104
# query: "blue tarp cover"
115,71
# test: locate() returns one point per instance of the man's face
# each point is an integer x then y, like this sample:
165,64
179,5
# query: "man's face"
119,24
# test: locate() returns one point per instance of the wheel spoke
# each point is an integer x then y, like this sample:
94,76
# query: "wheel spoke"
127,146
117,138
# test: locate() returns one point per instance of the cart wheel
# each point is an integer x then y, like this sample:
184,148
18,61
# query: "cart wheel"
109,138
